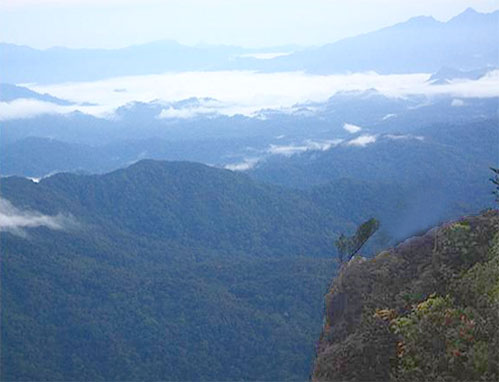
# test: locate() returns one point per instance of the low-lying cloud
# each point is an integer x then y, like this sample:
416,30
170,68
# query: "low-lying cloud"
284,150
456,102
192,108
238,92
388,116
16,221
352,129
185,113
24,108
399,137
362,141
28,108
246,164
288,150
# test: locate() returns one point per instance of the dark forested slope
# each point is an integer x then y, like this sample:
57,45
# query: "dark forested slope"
410,180
161,271
185,202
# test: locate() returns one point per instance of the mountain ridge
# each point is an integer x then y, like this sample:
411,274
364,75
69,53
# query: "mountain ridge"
189,203
420,44
168,271
468,41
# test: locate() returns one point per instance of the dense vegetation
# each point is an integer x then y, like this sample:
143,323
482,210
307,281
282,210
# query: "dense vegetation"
446,154
183,271
409,184
174,271
165,271
424,311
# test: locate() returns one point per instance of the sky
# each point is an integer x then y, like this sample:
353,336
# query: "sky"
249,23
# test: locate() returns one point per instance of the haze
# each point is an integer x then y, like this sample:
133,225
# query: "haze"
249,23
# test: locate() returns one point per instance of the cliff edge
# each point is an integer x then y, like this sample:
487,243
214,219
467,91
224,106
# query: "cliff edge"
427,309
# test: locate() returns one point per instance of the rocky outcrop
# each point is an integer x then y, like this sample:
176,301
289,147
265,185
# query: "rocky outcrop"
370,301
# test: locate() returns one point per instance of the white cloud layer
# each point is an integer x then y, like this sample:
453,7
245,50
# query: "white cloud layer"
27,108
362,141
238,92
456,102
15,221
23,108
288,150
396,137
246,164
352,129
388,116
285,150
184,113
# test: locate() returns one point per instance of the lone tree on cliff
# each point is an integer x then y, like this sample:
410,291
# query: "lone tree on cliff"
349,246
495,181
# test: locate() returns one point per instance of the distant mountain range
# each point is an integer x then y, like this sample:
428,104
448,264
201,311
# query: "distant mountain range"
24,64
397,166
421,44
77,142
9,92
446,74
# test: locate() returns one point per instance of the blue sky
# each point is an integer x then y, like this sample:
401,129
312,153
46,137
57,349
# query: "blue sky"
251,23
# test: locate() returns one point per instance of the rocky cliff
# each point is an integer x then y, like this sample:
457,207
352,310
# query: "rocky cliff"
427,309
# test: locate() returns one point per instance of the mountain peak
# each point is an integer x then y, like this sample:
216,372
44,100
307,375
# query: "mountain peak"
469,11
421,21
470,15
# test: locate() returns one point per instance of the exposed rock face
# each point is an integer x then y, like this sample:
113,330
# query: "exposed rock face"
369,300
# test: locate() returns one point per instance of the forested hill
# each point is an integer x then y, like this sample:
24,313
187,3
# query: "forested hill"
160,271
171,271
187,203
423,311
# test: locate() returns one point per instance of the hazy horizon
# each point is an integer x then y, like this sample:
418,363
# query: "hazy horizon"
249,24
